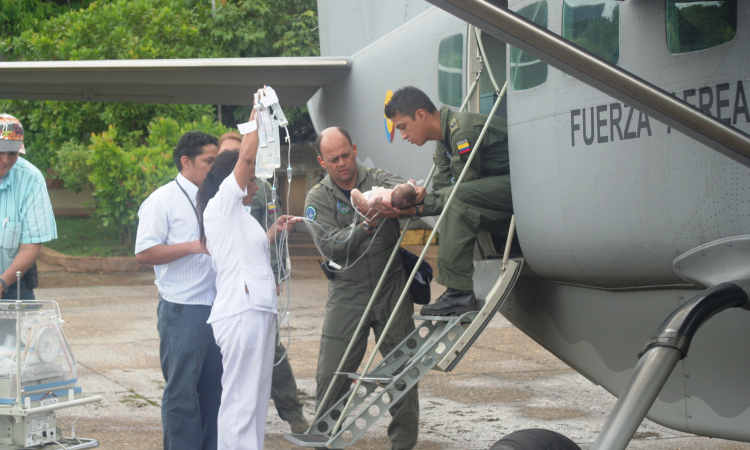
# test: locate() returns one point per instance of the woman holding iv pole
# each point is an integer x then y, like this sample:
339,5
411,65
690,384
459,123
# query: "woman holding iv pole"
243,316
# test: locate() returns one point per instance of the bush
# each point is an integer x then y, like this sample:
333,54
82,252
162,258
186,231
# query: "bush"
124,173
71,167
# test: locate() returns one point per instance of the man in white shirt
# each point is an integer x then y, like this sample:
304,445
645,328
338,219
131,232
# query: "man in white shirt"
169,238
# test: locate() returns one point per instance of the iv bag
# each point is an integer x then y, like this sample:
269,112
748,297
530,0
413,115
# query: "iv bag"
274,149
279,114
260,166
262,142
265,119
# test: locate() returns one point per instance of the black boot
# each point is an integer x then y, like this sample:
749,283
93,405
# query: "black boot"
453,302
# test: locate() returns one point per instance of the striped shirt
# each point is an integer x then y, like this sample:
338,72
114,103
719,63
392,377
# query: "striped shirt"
25,211
168,217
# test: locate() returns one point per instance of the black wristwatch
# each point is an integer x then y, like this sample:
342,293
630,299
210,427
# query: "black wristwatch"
5,285
418,211
367,226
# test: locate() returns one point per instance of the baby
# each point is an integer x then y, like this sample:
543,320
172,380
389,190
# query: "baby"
402,196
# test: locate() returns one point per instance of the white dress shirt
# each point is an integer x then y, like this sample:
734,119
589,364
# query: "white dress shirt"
239,251
168,217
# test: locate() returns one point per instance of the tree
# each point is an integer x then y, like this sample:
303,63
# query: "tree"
262,28
17,16
117,30
127,153
123,173
143,29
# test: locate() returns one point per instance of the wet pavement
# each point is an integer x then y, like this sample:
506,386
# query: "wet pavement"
505,383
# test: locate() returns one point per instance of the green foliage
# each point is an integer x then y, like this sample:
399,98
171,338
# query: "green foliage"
121,29
71,165
17,16
142,29
129,146
134,29
258,28
123,173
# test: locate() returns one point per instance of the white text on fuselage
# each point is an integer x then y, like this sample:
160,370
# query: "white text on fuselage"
607,123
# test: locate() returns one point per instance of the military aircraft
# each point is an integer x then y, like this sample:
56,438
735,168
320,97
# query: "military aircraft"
627,125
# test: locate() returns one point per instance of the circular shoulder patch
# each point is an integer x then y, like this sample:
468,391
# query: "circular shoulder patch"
343,207
311,213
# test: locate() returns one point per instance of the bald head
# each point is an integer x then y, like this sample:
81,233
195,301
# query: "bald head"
337,154
332,133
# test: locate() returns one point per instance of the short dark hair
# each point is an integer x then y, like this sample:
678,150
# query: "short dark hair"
406,101
319,139
191,145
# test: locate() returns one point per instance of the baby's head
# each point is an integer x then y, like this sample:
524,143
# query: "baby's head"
403,196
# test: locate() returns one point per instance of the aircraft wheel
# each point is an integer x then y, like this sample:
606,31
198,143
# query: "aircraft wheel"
535,439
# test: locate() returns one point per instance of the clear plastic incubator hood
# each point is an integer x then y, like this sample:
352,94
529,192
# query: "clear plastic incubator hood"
38,375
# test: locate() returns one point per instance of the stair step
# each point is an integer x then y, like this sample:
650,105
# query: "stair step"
377,379
465,317
307,440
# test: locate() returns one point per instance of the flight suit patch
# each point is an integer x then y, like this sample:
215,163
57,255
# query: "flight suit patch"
463,146
272,208
343,207
311,213
453,124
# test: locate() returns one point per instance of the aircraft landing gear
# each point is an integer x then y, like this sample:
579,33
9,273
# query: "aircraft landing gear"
535,439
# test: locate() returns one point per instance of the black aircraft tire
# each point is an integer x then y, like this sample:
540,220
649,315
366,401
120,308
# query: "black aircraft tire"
535,439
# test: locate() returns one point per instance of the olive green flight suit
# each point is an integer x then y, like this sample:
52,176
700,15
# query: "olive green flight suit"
283,384
350,291
484,196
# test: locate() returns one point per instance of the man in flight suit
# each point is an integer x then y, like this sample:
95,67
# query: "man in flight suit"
484,196
328,204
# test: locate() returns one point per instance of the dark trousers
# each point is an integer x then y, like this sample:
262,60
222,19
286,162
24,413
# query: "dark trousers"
12,292
191,364
483,201
284,387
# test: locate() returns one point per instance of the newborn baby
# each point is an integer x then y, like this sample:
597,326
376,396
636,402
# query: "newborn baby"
402,196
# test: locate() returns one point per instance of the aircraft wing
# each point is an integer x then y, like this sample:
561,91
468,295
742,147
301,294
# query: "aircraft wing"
223,81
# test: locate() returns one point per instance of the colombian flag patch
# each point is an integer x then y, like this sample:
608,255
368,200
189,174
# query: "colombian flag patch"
272,208
463,146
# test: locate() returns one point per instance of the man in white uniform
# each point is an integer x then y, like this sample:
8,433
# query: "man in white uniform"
168,238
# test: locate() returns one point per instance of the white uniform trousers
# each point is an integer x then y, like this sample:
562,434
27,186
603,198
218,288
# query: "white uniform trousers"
247,341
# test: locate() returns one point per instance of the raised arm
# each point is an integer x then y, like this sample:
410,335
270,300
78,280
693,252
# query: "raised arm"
246,163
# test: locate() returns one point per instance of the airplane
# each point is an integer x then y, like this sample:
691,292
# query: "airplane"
629,162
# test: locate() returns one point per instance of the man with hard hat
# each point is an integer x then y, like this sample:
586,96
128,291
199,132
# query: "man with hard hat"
25,211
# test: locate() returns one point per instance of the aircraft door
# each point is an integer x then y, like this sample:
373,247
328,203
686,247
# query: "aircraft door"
495,49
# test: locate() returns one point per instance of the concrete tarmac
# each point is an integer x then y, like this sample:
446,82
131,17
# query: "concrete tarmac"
505,383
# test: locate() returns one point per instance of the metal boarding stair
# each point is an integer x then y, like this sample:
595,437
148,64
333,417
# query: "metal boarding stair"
438,342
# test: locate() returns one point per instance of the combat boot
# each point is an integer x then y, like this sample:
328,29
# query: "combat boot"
299,425
453,302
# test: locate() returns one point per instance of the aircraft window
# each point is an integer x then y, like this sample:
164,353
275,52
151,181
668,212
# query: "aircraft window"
593,25
450,70
693,26
526,71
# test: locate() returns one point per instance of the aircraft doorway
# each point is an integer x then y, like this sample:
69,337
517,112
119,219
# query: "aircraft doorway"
494,48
